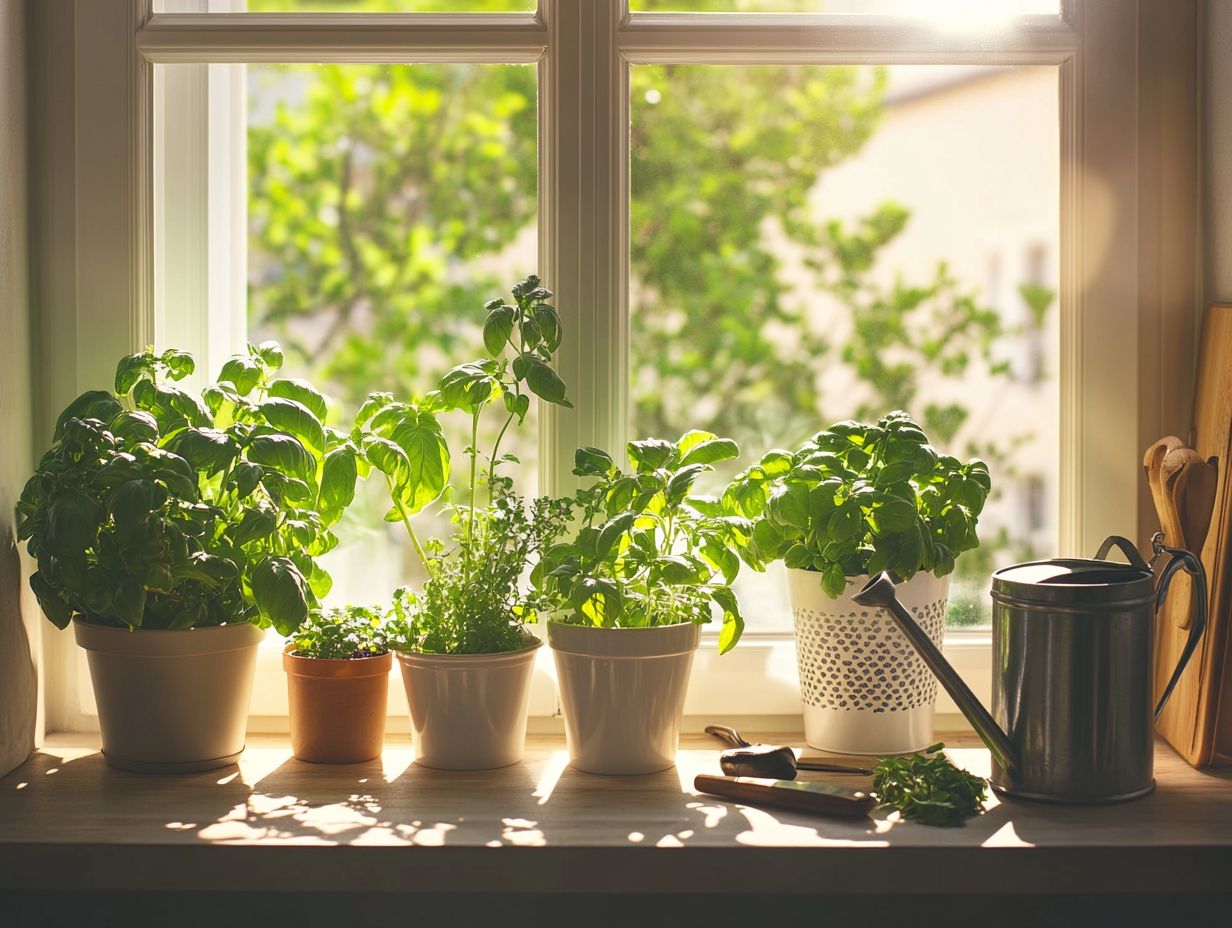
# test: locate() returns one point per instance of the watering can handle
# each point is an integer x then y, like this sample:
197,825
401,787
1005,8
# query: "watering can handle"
1179,559
1127,548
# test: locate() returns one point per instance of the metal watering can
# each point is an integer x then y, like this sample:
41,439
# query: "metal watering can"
1072,649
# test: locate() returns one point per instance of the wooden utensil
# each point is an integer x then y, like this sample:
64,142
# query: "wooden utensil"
1198,719
813,798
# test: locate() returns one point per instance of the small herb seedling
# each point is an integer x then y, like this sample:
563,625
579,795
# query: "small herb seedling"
341,634
928,788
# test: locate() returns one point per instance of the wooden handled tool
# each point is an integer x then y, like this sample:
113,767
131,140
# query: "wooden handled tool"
744,759
1183,487
813,798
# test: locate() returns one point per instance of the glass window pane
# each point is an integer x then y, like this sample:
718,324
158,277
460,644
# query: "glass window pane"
811,244
343,6
382,206
950,13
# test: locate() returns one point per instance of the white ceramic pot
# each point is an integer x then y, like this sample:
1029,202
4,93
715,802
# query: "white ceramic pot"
622,693
468,711
864,688
171,701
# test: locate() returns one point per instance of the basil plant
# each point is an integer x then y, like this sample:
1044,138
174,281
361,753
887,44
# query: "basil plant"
647,552
472,601
156,509
858,499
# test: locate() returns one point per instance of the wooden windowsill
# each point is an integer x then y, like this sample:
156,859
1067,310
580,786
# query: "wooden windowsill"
68,822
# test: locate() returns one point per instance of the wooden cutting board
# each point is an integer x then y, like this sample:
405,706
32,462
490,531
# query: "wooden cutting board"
1198,719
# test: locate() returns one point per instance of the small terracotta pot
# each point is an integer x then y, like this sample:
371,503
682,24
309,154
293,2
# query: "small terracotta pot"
337,707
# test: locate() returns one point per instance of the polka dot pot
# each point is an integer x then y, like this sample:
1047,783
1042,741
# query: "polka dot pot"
864,689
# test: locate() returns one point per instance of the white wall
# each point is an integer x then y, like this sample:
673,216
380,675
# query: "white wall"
1217,150
18,681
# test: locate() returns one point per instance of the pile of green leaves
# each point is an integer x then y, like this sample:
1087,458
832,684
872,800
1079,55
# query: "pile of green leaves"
859,499
471,602
647,552
341,634
928,788
154,509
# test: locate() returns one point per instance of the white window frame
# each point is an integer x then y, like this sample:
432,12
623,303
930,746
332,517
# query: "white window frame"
1128,277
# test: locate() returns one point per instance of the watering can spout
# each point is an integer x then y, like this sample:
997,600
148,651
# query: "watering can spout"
879,591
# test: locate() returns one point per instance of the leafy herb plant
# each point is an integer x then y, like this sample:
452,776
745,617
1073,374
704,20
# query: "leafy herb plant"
472,601
928,788
859,499
647,552
154,509
341,634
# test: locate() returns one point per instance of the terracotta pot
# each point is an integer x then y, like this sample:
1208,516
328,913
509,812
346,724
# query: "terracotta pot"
171,701
468,711
337,707
622,692
865,689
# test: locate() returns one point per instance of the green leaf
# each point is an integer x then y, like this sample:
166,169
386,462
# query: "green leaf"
388,458
242,373
280,593
681,483
50,600
271,353
371,406
895,514
135,426
427,464
72,522
652,453
129,603
711,452
131,369
498,328
93,404
598,599
207,450
545,383
180,364
789,505
338,476
547,319
289,388
244,477
284,453
293,416
733,620
254,525
833,581
592,462
611,530
467,387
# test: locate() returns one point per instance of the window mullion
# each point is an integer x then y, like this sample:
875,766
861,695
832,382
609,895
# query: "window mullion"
583,225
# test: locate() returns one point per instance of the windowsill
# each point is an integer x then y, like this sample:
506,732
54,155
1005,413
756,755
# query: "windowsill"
71,823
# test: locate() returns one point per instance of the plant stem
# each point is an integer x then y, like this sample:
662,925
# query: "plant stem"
470,516
406,520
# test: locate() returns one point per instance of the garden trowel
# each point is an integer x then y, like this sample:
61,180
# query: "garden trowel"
744,759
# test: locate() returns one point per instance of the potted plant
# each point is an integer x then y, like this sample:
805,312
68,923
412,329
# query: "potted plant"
646,567
851,502
172,532
337,667
462,644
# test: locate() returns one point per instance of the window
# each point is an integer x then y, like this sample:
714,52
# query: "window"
644,162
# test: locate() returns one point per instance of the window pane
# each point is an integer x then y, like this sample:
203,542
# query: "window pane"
382,206
343,6
811,244
949,13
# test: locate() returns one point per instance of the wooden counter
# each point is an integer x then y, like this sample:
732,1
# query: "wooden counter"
273,823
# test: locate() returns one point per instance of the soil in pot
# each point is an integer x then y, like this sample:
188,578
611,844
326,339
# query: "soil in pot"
622,692
468,711
337,706
171,701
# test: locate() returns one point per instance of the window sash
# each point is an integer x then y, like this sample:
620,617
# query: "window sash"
584,49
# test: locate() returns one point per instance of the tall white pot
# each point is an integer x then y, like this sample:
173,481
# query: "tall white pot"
622,692
468,711
864,688
171,701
